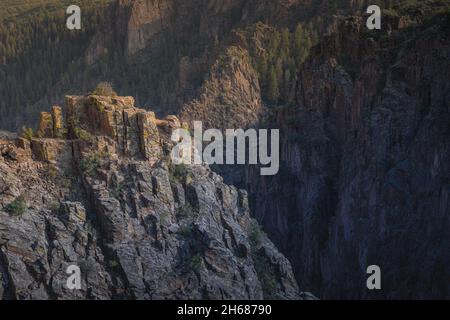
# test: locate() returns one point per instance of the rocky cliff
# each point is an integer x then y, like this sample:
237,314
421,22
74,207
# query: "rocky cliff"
365,163
364,177
97,190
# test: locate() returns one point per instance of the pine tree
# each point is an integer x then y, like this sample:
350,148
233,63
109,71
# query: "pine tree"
285,44
302,44
273,90
287,86
263,70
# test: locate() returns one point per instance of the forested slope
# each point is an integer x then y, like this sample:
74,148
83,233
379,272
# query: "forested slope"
37,53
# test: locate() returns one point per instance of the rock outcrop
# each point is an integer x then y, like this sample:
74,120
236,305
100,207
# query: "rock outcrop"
104,197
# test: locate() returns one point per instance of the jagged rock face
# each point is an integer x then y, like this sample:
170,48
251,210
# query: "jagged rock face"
365,166
133,130
148,19
138,229
230,97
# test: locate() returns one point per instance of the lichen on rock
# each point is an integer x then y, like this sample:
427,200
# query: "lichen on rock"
106,199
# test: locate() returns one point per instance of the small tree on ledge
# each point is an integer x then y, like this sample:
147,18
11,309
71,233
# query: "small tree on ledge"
104,89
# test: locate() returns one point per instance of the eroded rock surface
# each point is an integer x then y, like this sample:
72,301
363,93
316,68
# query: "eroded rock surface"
105,197
364,178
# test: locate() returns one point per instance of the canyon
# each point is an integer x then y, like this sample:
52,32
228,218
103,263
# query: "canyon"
365,164
364,158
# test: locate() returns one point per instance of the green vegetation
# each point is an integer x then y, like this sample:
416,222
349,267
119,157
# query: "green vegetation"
187,230
266,275
51,170
38,54
178,172
164,218
21,9
104,89
114,264
273,91
67,181
284,52
91,163
256,235
77,132
55,206
188,211
82,134
40,60
412,8
17,207
61,133
415,9
27,133
116,189
195,262
264,268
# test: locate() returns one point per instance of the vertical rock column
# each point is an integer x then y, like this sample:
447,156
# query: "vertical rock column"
57,122
150,145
